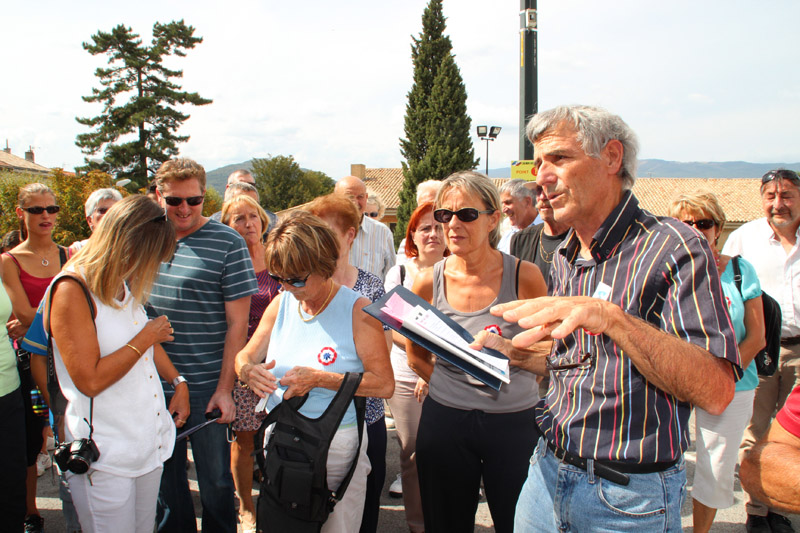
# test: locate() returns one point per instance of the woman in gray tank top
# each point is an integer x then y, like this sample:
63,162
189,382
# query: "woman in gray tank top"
469,431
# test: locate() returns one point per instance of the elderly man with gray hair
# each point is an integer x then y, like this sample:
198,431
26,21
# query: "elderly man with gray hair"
96,206
635,334
519,206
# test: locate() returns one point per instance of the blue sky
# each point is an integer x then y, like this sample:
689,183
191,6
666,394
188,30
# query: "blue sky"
327,82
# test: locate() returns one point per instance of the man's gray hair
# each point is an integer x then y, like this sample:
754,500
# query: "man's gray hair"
595,127
428,186
239,187
98,196
236,175
517,189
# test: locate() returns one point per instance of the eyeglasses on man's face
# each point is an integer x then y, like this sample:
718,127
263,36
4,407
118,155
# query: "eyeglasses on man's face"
175,201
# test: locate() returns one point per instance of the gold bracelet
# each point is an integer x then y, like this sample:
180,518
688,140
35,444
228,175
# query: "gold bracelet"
134,348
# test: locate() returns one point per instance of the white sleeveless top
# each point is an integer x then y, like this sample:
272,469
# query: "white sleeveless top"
132,427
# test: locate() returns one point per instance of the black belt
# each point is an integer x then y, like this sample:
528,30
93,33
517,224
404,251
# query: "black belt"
790,341
614,471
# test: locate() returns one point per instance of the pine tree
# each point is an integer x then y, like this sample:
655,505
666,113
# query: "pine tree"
437,126
136,130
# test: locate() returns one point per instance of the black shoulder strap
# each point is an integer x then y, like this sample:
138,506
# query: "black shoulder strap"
62,255
402,274
737,273
516,280
89,300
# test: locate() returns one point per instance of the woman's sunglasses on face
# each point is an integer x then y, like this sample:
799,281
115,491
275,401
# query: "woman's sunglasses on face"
38,210
175,201
294,282
467,214
705,223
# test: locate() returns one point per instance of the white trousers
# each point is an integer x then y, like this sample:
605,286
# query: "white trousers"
107,502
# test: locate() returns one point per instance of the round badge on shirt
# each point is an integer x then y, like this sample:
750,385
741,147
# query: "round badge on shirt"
327,356
494,328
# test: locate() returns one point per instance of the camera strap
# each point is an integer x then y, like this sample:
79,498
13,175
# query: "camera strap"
92,311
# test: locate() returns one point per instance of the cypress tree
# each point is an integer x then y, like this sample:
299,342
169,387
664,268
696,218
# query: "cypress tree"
437,126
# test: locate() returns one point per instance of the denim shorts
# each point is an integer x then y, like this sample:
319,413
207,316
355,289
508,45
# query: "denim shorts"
561,497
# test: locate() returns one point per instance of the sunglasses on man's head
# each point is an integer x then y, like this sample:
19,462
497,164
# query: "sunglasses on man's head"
705,223
782,174
175,201
38,210
294,282
467,214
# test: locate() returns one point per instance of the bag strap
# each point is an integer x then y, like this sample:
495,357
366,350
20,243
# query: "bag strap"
51,367
62,255
737,273
402,274
516,279
336,410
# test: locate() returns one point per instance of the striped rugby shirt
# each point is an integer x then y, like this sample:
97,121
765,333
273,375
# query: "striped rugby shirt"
657,269
210,267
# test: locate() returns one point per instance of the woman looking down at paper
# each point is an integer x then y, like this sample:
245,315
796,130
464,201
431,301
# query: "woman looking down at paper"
467,430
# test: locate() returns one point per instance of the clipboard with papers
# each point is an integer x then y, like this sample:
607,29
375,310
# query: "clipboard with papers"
418,320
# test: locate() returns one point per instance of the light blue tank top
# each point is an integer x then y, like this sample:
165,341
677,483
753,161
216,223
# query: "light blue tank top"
324,343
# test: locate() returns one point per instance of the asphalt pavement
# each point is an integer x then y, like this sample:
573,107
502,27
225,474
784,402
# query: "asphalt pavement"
392,516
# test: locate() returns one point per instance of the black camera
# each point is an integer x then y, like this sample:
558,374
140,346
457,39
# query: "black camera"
76,456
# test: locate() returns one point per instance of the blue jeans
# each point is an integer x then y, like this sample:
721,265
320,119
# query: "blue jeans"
212,458
560,497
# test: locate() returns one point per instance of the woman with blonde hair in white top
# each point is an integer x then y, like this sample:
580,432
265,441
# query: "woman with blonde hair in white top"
108,360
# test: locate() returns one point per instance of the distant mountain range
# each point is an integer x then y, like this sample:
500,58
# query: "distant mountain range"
648,168
659,168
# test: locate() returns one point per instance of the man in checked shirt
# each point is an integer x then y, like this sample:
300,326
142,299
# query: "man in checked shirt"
640,334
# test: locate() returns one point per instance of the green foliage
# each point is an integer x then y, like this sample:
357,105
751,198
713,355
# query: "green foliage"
71,192
281,183
140,101
437,126
212,203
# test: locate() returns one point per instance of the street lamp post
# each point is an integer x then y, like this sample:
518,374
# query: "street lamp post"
488,134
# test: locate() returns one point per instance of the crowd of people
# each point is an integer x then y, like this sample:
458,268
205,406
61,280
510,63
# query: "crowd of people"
179,330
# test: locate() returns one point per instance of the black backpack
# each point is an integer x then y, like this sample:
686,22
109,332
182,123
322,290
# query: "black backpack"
767,359
294,492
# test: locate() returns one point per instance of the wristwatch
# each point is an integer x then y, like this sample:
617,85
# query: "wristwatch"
177,381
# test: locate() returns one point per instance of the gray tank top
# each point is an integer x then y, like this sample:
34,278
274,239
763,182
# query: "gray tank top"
450,385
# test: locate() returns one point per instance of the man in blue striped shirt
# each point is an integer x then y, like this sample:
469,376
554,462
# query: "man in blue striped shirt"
205,291
641,334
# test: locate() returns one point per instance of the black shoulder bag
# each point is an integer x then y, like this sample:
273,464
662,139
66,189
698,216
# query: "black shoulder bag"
767,359
294,492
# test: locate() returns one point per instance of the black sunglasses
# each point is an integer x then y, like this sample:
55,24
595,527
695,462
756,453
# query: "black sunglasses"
102,210
705,223
38,210
780,174
467,214
294,282
175,201
372,214
564,363
161,217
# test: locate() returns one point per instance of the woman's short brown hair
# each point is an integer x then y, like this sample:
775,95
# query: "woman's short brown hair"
338,207
302,244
